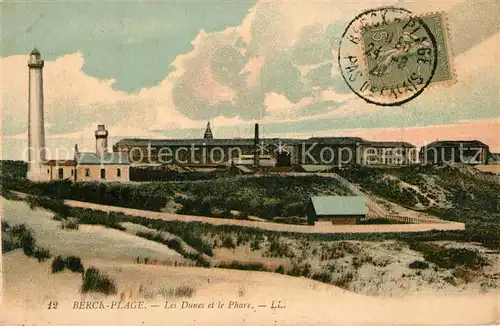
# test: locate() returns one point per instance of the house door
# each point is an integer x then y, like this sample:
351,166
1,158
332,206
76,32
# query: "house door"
103,173
60,173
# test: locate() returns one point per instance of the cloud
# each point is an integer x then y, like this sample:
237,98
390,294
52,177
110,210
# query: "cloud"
485,130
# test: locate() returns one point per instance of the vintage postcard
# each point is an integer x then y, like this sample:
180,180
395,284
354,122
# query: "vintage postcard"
250,162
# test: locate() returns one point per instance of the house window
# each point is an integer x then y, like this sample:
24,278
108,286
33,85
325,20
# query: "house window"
87,172
48,171
103,173
61,173
72,173
118,172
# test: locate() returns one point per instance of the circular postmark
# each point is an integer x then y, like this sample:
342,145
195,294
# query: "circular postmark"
387,56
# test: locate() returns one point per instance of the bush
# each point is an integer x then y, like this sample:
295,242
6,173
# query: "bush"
345,280
324,277
20,236
300,270
184,291
243,266
95,281
176,245
72,263
178,292
255,244
418,264
450,257
280,269
228,242
278,248
41,254
358,261
58,264
70,223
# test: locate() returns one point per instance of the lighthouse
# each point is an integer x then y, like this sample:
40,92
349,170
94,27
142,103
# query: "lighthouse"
36,130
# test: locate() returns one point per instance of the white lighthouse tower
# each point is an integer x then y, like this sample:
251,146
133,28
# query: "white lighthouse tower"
36,129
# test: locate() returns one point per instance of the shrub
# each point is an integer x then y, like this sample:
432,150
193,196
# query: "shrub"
358,261
74,264
255,244
345,280
280,269
228,242
41,254
95,281
20,236
184,291
176,245
178,292
300,270
58,264
5,225
70,223
278,248
450,257
324,277
57,217
418,264
243,266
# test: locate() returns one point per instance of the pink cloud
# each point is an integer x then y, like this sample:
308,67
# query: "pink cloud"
487,131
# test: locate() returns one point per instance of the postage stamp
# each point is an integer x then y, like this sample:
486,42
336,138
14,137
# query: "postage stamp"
253,162
389,56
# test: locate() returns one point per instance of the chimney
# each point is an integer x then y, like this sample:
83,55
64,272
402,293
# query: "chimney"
101,140
256,156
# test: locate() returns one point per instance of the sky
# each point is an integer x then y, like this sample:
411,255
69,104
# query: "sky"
162,70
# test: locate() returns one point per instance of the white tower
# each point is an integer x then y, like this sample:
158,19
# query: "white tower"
36,129
101,140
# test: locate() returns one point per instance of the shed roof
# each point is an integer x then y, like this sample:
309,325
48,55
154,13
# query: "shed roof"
106,158
339,205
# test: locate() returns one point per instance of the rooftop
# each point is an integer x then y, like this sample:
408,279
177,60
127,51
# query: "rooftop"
106,158
35,51
250,142
339,205
454,143
396,144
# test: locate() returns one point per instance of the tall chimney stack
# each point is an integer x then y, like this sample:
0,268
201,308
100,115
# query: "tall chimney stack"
36,129
256,156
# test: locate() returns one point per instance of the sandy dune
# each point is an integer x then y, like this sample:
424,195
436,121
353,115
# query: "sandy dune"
29,286
88,241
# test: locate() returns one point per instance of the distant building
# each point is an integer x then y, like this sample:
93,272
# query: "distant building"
336,210
60,170
102,165
264,152
387,153
454,151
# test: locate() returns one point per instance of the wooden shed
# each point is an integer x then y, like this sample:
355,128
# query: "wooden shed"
336,209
